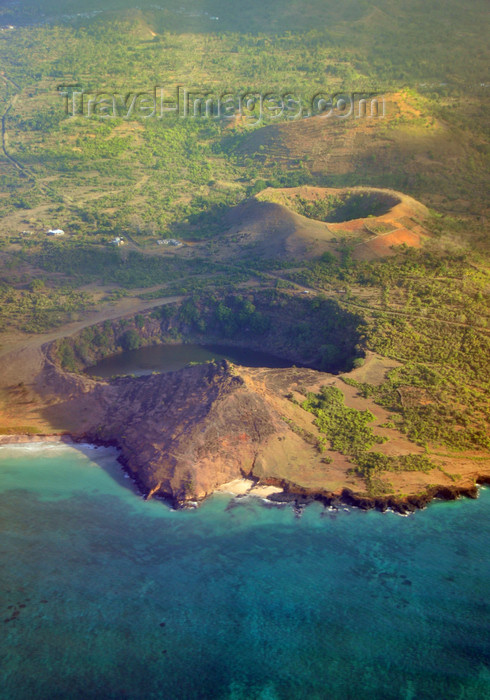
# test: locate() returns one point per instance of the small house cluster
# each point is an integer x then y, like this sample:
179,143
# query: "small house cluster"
170,241
117,241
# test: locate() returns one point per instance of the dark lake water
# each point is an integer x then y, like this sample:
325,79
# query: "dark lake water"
168,358
105,595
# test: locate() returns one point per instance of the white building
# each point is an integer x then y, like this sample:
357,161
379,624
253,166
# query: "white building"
56,232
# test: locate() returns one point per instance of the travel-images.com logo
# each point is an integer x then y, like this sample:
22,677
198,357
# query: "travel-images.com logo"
250,107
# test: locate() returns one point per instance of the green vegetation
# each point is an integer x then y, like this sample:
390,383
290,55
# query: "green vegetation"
40,308
314,332
348,432
67,357
336,208
85,263
432,406
428,310
130,340
347,429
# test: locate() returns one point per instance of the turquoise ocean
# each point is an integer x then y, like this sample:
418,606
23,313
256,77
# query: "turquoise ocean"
105,595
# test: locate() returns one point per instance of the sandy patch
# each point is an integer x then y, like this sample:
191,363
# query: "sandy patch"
264,491
242,487
237,487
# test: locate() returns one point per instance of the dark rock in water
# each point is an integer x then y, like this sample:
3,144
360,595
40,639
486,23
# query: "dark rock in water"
284,497
298,509
267,503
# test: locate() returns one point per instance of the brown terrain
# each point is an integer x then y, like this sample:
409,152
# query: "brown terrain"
269,226
394,146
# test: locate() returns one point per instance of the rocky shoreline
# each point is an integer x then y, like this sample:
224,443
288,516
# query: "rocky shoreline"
274,491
